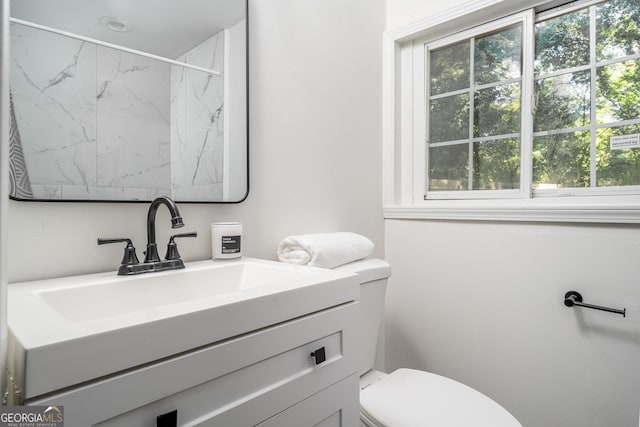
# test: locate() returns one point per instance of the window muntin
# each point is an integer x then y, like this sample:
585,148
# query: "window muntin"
586,84
562,42
617,29
449,68
474,91
584,61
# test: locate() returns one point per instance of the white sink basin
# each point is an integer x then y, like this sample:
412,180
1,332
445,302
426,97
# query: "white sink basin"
107,298
70,330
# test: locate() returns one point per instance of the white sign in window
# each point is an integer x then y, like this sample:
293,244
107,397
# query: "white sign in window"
619,142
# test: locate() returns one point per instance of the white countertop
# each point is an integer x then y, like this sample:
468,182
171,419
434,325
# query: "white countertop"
67,331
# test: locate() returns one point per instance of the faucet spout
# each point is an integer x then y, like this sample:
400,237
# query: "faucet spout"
176,222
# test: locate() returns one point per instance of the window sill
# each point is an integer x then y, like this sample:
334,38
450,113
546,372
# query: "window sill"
613,209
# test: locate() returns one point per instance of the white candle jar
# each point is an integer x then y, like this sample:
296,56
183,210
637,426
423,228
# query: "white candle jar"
226,240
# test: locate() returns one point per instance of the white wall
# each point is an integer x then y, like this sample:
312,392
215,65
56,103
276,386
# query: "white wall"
315,150
483,303
403,12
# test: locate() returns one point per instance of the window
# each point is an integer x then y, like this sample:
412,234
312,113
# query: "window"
587,98
531,106
473,114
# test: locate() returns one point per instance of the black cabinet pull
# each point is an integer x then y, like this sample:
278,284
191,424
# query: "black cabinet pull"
170,419
319,355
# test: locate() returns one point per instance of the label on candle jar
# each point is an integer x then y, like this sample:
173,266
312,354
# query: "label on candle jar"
226,239
231,244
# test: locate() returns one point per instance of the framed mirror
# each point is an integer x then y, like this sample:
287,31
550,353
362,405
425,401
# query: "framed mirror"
119,100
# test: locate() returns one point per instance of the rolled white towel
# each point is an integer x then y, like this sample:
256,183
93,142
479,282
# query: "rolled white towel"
326,250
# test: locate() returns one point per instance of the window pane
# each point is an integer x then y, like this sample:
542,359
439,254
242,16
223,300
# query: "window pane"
496,165
449,68
619,92
562,102
497,56
497,110
561,161
617,29
449,167
618,166
449,118
562,42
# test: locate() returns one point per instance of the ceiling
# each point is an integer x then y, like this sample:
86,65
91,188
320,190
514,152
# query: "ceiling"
163,27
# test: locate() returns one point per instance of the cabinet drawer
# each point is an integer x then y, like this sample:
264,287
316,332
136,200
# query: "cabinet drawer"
336,406
239,382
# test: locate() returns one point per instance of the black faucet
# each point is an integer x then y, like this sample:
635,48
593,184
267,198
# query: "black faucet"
152,262
176,222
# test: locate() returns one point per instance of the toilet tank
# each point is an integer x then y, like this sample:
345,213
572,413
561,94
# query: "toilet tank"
373,275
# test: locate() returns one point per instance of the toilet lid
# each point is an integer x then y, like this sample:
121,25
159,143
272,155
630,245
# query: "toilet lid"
411,398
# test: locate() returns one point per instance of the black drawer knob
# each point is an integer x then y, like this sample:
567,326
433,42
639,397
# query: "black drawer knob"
170,419
319,355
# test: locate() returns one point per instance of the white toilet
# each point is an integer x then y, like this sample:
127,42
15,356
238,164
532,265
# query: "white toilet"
408,397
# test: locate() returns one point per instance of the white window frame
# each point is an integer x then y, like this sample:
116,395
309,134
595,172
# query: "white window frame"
593,125
525,19
403,136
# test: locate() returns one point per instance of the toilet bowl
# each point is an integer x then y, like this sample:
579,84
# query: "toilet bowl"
409,397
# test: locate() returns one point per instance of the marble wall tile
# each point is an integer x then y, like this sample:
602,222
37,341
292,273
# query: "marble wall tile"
205,94
75,192
45,191
178,127
133,107
98,123
198,162
205,149
53,87
118,193
203,192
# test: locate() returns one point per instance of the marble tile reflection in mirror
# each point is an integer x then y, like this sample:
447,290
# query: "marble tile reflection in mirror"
95,123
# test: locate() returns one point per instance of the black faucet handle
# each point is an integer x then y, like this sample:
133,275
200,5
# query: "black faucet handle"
172,247
189,234
129,256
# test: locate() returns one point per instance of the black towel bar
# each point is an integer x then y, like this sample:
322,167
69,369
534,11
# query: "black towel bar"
572,298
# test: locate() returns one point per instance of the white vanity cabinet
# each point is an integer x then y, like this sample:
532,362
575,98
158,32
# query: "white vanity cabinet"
267,377
337,401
